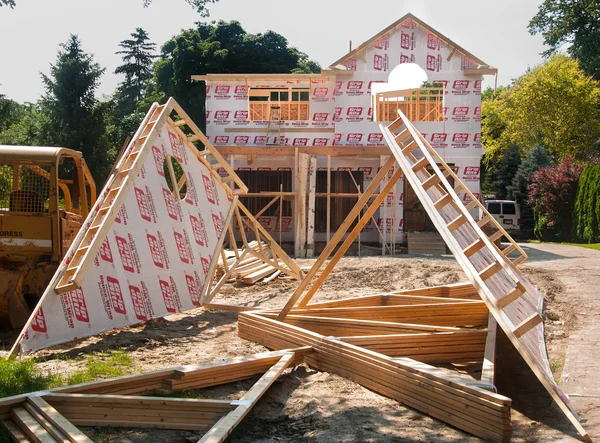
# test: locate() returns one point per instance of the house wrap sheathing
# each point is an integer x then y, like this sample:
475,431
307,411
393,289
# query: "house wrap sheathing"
334,128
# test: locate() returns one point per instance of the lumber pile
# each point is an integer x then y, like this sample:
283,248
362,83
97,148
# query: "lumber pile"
388,343
251,269
53,416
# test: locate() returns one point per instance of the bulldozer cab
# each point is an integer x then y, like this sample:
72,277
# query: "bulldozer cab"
45,194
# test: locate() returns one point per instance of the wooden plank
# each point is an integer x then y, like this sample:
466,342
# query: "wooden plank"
487,370
31,427
512,296
477,245
54,432
490,270
529,323
225,426
73,434
14,431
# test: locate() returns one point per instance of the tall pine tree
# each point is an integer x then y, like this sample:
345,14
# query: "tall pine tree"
76,119
138,56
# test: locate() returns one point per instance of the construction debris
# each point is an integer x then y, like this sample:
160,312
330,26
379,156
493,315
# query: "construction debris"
249,270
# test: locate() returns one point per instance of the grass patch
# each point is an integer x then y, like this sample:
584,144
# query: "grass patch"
595,246
22,376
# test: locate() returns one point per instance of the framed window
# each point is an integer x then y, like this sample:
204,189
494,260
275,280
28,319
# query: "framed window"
418,105
292,103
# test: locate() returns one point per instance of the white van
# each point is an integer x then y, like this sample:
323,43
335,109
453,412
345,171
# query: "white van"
506,212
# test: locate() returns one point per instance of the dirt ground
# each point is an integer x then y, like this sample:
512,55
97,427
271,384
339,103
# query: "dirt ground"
311,406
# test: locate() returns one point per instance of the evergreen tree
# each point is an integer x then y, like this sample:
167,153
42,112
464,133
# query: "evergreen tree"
500,175
137,67
76,119
536,158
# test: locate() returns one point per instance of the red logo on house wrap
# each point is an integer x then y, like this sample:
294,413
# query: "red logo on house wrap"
477,86
171,204
222,92
300,142
344,168
137,300
355,87
181,247
260,140
354,114
460,113
354,138
321,116
382,42
167,293
320,92
320,141
471,173
461,87
367,172
407,40
199,230
155,251
434,63
370,85
207,90
433,42
241,92
241,140
193,289
221,115
438,137
105,252
38,324
218,224
178,149
241,115
207,115
378,62
125,253
337,114
209,187
221,139
351,64
79,306
407,58
477,113
337,138
143,206
461,137
205,265
116,296
284,169
264,169
375,138
159,160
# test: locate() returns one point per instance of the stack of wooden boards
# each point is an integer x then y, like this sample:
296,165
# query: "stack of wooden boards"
251,269
389,342
53,416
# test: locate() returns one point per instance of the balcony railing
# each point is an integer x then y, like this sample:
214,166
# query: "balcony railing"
419,105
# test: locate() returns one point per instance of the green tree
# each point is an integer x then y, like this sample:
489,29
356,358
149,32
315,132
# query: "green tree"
535,159
29,128
586,216
76,119
222,47
138,56
500,175
571,22
554,104
10,112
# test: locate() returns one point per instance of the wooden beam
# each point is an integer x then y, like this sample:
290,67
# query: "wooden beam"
225,425
529,323
73,434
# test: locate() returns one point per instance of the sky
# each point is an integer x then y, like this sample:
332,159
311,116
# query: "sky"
495,31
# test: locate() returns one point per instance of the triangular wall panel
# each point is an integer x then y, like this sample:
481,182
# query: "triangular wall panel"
143,252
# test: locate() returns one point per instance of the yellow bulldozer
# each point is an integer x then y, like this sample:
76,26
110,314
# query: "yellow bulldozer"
45,195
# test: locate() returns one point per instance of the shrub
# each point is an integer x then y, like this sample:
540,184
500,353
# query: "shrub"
586,216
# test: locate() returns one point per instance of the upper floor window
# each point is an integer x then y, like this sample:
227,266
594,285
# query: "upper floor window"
418,105
280,103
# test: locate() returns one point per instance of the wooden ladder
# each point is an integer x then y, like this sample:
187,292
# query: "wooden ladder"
487,266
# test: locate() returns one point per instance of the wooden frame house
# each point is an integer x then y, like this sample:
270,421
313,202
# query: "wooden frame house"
308,144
